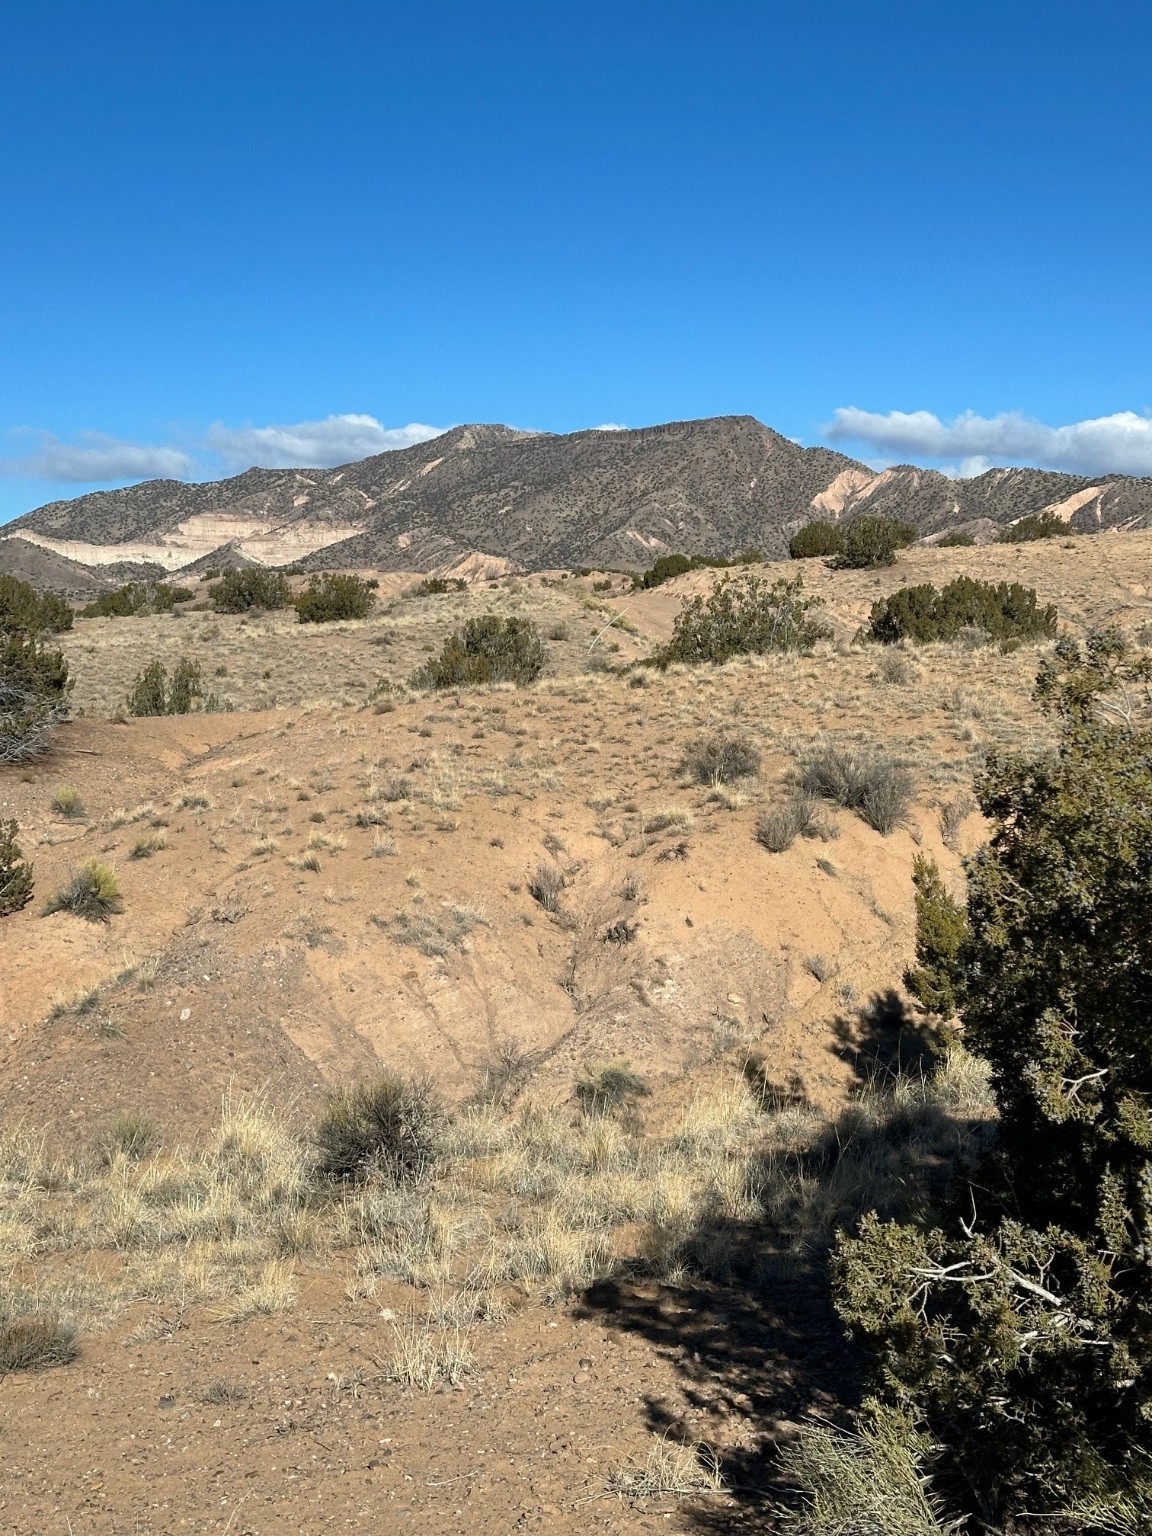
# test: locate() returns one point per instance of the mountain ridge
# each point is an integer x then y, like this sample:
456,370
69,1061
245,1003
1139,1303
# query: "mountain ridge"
535,500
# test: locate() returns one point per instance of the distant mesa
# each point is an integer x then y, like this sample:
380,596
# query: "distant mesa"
490,499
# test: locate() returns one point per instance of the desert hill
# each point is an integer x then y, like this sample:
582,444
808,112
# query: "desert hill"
532,501
333,878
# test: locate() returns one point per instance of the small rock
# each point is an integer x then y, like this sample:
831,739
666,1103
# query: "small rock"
167,1402
580,1378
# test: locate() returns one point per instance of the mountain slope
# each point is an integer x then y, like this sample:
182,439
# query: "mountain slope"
535,500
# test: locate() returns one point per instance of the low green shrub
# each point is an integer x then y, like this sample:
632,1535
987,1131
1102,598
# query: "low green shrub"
437,586
487,650
390,1128
669,566
67,802
866,543
153,693
1002,611
817,538
25,611
956,541
15,872
92,893
334,595
1026,530
136,599
941,929
720,759
34,687
879,790
744,615
241,591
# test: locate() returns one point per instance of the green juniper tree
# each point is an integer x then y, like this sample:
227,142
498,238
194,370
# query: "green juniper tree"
1018,1333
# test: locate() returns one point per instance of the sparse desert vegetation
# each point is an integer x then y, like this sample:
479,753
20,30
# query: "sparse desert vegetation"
638,1045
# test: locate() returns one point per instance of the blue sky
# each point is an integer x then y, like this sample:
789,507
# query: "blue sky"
287,232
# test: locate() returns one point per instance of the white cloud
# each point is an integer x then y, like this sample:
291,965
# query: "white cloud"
94,459
312,444
1119,444
609,426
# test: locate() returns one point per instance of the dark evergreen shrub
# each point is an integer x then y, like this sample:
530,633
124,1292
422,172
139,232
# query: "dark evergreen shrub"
241,591
334,595
487,650
154,694
869,542
1026,530
669,566
24,611
1002,611
135,600
1016,1326
744,615
15,872
941,930
814,539
437,586
956,541
34,687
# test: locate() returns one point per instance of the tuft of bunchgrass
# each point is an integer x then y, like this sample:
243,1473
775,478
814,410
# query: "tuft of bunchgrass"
425,1356
92,893
879,790
670,1470
66,802
605,1089
35,1342
128,1135
390,1128
798,816
720,759
546,885
870,1480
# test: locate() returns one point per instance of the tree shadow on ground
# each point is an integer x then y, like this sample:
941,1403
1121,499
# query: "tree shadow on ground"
884,1038
766,1349
761,1349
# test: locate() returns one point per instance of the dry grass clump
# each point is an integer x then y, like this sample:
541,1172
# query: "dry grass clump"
36,1342
145,847
128,1135
671,1469
509,1193
93,893
390,1128
605,1089
66,802
720,759
272,1291
546,885
800,815
433,935
879,790
871,1481
426,1354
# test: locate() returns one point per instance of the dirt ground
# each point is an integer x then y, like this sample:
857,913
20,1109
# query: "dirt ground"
317,884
